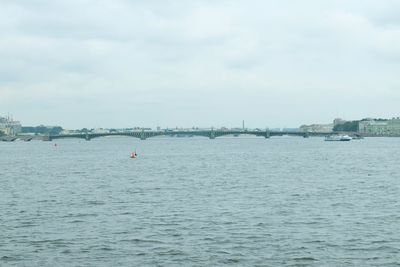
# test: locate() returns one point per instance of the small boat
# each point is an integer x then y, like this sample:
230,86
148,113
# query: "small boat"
338,138
133,155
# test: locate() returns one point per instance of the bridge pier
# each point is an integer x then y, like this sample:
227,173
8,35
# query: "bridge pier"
142,135
212,135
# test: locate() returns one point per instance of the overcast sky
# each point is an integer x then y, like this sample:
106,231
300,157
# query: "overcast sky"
123,63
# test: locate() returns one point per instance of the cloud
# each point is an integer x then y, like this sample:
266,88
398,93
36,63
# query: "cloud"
200,60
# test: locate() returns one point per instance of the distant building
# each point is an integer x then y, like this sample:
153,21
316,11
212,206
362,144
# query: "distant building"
101,131
69,132
319,128
290,129
9,126
380,127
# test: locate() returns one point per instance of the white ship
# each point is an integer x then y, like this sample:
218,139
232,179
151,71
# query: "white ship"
338,138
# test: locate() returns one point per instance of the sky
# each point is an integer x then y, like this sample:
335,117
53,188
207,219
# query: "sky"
168,63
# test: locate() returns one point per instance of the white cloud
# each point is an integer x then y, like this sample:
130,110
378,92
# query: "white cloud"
200,60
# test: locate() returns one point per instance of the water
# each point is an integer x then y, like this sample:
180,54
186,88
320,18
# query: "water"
200,202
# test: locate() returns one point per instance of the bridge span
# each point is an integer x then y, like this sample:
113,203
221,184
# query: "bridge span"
212,134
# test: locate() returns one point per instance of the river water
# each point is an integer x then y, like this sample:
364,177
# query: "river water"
284,201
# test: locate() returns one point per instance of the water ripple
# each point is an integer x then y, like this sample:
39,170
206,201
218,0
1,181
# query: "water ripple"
196,202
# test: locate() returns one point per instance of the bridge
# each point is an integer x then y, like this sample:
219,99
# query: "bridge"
212,134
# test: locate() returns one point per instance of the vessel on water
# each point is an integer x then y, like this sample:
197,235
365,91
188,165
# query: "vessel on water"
338,138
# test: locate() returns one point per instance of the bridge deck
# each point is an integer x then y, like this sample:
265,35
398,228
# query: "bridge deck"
208,133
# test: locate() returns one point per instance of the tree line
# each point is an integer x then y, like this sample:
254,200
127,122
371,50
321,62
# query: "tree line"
45,130
348,126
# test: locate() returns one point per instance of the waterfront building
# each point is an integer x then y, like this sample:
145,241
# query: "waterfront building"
10,127
101,130
65,132
320,128
380,127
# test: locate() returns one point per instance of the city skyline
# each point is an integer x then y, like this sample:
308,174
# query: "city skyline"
167,63
10,119
313,127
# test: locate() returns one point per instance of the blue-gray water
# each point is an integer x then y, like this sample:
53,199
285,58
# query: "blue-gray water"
200,202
